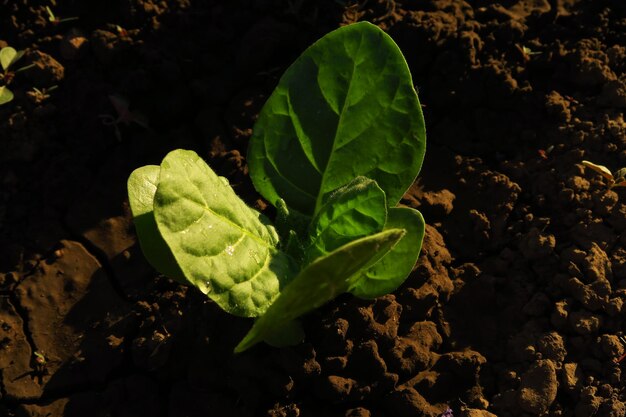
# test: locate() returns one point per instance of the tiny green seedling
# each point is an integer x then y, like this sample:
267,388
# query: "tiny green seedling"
121,31
124,115
622,339
8,57
40,95
55,20
40,363
614,179
527,51
335,147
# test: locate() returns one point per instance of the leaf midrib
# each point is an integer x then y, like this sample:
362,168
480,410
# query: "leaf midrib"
205,206
318,200
338,218
235,225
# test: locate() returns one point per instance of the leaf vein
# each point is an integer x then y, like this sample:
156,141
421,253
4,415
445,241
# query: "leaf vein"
341,115
231,223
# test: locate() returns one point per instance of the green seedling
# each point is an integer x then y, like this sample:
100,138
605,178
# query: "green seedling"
529,52
614,179
40,362
8,57
544,153
622,339
55,20
124,116
38,95
335,147
121,31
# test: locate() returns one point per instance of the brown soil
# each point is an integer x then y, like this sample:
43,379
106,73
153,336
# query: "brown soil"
514,309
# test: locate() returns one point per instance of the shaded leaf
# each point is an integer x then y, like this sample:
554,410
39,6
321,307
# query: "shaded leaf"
355,210
142,186
391,271
346,107
320,282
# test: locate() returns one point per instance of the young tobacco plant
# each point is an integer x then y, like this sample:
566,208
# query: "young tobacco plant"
55,20
335,147
8,57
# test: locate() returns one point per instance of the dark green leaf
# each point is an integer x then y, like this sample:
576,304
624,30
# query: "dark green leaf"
355,210
346,107
391,271
320,282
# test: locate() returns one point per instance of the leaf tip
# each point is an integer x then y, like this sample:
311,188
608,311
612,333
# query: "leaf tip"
245,344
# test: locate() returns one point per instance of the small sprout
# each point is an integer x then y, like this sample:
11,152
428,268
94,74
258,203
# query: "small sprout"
124,115
55,20
529,52
544,153
40,358
623,356
526,52
8,57
616,179
121,106
38,95
40,362
121,31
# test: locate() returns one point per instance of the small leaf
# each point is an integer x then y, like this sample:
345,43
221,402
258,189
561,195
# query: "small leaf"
51,16
142,186
9,56
294,247
391,271
320,282
6,57
600,169
353,211
346,107
6,95
223,247
288,220
619,184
